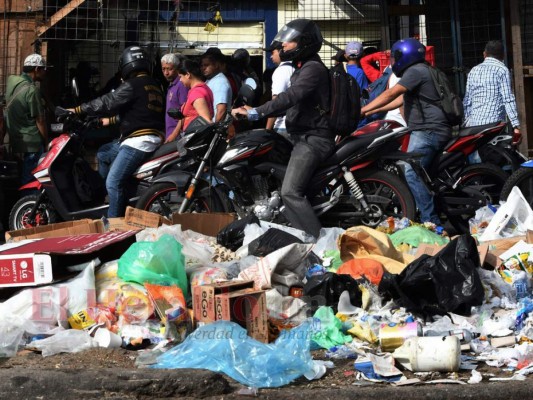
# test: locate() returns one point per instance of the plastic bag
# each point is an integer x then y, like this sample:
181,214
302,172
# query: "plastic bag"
67,341
359,267
224,346
446,282
414,235
160,263
326,290
328,329
270,241
232,235
327,240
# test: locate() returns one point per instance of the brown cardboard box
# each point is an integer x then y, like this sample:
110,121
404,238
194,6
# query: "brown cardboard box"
207,223
203,298
144,219
247,308
68,228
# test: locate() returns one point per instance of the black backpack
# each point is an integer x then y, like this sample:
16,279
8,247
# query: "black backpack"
345,103
450,102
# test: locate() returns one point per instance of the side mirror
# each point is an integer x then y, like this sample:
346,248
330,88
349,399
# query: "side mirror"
175,113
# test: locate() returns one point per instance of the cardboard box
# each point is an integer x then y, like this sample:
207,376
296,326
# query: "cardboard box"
68,228
203,298
247,308
136,218
207,223
41,261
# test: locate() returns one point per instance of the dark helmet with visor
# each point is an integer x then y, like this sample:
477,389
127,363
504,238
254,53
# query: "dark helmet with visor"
407,52
133,59
306,34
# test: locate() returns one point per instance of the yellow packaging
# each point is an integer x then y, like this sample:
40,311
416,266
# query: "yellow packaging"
81,320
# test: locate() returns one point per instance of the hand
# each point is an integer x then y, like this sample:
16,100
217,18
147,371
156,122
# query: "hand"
240,112
104,121
71,110
517,137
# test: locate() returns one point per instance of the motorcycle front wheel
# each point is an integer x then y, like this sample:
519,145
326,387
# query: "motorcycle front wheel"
387,195
20,213
163,199
523,179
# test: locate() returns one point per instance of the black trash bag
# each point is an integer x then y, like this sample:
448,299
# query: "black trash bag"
272,240
326,289
232,236
447,282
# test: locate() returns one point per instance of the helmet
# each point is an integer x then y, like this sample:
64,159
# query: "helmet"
133,59
240,58
407,52
306,33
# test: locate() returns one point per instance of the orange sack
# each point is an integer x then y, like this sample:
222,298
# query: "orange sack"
359,267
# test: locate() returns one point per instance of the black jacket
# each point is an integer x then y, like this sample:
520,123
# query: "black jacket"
139,103
303,100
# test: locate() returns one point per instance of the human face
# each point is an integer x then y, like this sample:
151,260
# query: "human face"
186,80
289,45
170,71
275,57
40,73
209,68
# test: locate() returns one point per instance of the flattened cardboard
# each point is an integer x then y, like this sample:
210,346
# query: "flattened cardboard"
137,218
68,228
206,223
203,298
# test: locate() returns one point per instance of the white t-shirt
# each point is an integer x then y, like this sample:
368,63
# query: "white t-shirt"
281,81
395,114
146,143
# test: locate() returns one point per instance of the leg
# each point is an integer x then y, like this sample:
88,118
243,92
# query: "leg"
106,155
307,154
428,144
127,161
28,164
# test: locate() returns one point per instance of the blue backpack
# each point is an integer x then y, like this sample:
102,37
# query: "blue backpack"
371,92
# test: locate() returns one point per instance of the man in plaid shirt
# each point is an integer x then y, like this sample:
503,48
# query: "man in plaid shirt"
488,96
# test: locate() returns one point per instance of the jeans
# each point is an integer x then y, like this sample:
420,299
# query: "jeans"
429,144
106,155
307,154
126,162
29,163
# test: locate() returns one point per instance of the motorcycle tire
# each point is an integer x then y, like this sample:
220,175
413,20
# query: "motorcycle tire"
164,199
479,174
375,185
18,218
523,179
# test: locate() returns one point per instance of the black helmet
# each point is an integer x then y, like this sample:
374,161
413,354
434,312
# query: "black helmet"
240,58
306,33
133,59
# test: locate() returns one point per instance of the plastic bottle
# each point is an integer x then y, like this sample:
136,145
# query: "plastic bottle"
426,354
464,335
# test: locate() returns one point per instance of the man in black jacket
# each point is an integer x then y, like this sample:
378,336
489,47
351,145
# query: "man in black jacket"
307,126
138,105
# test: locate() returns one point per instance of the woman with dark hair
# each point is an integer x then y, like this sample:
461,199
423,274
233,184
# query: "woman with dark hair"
199,99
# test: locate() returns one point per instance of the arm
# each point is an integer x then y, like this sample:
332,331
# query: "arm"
221,111
384,99
368,65
201,107
396,103
109,104
271,120
467,101
508,100
175,132
43,129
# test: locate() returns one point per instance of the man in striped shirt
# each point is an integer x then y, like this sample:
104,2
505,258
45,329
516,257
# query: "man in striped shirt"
488,96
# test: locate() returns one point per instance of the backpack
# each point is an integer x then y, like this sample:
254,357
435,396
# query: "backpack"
450,102
344,101
371,92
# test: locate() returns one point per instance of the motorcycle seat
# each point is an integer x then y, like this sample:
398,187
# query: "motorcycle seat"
165,149
473,130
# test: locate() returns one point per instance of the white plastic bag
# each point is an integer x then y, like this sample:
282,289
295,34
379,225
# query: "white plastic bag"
67,341
511,219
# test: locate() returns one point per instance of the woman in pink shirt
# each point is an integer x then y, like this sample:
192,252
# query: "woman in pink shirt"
199,99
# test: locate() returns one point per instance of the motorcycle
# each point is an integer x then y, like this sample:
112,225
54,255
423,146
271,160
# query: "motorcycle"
65,186
523,179
459,189
502,151
246,176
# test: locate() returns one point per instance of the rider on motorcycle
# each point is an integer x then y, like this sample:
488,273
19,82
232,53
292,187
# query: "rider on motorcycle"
139,104
308,129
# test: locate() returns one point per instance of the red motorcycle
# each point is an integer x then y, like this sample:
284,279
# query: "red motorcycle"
65,186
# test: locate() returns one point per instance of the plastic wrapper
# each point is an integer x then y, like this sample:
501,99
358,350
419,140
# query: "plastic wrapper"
232,236
327,329
481,219
67,341
446,282
207,275
326,290
224,346
159,262
415,235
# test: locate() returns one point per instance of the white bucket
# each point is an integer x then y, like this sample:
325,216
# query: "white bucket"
425,354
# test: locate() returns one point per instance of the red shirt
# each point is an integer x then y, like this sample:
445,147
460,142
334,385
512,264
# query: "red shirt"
197,92
368,64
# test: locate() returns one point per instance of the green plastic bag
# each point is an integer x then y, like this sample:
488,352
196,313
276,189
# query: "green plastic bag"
159,263
329,332
414,235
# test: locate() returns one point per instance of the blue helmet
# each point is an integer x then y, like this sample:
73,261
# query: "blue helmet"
407,52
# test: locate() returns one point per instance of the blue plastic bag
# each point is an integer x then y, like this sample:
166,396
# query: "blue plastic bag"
224,346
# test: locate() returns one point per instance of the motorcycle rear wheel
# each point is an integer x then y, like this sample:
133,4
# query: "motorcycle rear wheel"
163,199
18,218
523,179
479,174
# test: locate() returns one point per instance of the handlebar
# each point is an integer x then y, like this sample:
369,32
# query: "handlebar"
76,122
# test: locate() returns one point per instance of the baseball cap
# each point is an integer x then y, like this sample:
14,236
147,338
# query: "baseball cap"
339,56
35,60
354,49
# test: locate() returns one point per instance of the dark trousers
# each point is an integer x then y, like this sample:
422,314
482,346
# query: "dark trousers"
307,154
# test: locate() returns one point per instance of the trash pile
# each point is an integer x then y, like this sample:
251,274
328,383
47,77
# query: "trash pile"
257,300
